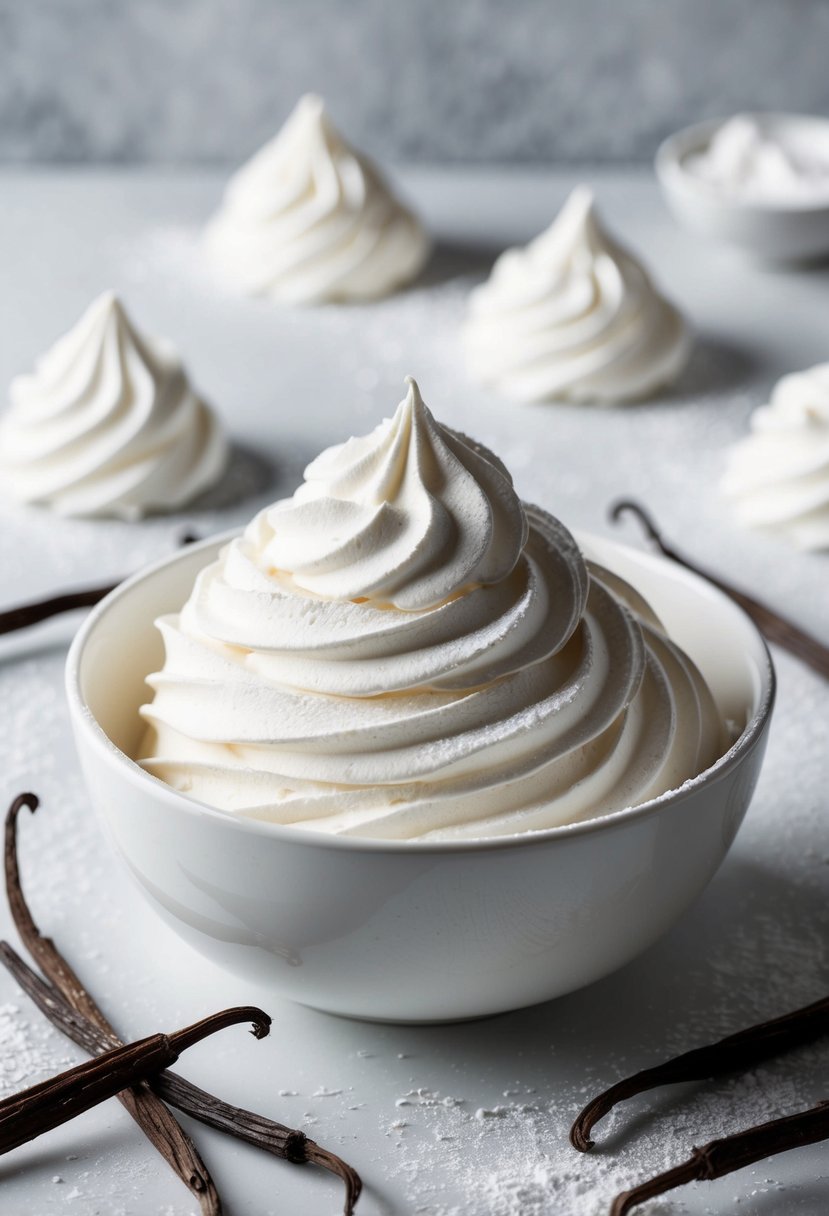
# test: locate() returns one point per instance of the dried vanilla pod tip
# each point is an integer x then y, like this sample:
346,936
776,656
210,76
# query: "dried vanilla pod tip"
735,1053
43,1107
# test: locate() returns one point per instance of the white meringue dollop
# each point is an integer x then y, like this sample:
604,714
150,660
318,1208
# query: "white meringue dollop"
309,220
573,316
778,476
404,650
108,424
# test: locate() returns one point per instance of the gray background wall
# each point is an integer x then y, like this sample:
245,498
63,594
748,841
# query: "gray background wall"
426,80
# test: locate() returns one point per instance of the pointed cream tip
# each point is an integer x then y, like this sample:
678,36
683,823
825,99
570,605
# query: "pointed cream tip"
413,391
107,304
311,104
581,198
413,402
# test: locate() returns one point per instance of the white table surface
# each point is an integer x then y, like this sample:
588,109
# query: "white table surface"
288,383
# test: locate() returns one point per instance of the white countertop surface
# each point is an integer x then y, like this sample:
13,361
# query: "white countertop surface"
287,384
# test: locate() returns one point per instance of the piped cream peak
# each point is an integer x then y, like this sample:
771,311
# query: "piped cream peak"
778,475
406,429
105,311
573,316
413,399
410,514
576,221
311,105
107,302
107,424
309,219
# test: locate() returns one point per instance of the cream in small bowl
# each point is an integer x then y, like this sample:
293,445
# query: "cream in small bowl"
759,182
506,869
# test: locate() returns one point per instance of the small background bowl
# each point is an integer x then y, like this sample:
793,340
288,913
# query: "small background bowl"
401,931
769,232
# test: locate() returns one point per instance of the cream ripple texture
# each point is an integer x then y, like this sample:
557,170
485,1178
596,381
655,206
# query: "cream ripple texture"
405,650
778,476
573,316
308,220
107,424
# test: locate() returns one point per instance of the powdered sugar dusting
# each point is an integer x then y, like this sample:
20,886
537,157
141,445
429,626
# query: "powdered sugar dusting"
30,1051
512,1159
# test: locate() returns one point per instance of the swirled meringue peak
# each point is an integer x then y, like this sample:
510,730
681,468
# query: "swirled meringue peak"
778,476
573,316
107,424
404,650
309,220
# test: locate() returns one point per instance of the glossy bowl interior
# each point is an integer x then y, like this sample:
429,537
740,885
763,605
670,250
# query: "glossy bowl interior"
768,232
403,931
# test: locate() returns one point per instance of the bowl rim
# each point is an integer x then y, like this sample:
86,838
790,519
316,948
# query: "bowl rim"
668,163
84,720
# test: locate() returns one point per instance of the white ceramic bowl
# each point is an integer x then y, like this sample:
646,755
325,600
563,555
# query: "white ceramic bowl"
402,931
769,232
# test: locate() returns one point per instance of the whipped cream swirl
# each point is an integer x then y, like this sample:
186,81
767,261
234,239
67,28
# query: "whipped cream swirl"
518,689
308,220
778,476
108,424
573,316
410,514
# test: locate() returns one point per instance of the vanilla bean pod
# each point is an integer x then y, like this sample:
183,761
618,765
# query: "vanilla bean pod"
158,1124
245,1125
45,1106
32,613
70,1007
732,1054
776,628
731,1153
